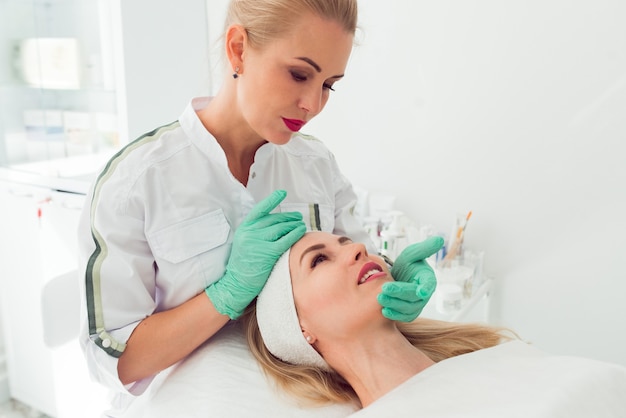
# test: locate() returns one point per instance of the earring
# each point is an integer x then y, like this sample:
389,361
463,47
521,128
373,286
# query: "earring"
308,338
236,73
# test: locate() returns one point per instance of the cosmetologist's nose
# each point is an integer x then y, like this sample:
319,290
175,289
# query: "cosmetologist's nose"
312,102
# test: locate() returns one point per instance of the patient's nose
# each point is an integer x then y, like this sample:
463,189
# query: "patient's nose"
356,251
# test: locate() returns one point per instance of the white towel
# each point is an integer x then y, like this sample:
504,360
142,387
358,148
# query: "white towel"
278,320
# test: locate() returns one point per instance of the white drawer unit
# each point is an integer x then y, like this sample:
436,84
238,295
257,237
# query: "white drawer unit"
44,365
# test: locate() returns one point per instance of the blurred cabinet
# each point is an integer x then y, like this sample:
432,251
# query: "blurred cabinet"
62,113
78,78
59,80
38,244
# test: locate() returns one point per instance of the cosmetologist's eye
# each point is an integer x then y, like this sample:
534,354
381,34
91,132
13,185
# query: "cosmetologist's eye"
298,76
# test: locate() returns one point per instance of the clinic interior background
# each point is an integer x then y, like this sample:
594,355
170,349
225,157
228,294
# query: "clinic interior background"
515,111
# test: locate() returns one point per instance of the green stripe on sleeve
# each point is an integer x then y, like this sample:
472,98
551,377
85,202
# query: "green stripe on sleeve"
314,217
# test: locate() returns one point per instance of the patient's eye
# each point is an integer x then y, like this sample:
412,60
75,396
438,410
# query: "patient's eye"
317,259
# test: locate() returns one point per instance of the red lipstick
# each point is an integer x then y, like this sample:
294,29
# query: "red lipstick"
294,125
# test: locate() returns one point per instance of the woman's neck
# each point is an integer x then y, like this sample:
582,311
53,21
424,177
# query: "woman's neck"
378,365
238,142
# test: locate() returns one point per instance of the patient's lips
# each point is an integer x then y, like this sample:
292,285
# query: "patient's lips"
370,271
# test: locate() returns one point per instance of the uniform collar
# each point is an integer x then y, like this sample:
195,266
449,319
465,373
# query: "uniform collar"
198,134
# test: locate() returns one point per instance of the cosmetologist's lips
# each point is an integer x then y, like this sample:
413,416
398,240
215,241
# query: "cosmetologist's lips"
294,125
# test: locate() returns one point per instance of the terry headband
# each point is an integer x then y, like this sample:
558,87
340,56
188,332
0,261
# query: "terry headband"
278,320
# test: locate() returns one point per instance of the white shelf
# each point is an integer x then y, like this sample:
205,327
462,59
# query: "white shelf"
73,174
470,310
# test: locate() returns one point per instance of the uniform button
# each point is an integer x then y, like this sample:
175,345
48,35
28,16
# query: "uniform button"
253,174
106,343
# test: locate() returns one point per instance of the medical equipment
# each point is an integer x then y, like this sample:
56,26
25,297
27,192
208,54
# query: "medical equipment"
459,273
393,237
456,242
449,298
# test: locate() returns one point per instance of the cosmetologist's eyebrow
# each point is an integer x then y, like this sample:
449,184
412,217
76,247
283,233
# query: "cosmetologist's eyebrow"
311,63
316,66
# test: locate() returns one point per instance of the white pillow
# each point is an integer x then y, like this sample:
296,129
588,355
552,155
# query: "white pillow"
222,379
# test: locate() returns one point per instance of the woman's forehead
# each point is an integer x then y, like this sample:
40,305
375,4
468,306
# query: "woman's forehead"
315,237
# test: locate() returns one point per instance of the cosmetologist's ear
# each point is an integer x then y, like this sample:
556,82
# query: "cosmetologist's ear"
235,40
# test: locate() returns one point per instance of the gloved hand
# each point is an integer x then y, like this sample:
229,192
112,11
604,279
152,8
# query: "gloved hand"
258,243
415,282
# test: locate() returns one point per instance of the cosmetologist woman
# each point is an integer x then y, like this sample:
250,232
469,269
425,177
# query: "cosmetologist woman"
184,225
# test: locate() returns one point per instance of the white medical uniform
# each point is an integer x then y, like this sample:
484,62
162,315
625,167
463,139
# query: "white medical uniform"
160,222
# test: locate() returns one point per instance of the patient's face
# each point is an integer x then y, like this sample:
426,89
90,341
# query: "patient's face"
335,284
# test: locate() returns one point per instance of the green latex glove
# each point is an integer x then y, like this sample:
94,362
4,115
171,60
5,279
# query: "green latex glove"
258,243
404,299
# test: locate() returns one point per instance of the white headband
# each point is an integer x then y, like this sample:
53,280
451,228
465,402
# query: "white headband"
278,320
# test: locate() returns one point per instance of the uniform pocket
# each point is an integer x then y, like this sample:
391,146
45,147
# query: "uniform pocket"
316,217
179,242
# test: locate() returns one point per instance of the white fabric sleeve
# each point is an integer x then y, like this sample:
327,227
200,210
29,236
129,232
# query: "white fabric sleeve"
117,278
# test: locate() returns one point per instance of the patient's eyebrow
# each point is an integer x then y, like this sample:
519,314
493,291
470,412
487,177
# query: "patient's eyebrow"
311,248
343,240
315,247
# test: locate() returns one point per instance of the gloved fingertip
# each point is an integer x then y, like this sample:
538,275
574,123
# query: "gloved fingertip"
424,293
280,193
388,286
388,313
277,197
300,229
266,205
381,298
427,288
438,241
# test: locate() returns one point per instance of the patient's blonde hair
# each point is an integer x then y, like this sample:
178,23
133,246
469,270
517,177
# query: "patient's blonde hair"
267,20
439,340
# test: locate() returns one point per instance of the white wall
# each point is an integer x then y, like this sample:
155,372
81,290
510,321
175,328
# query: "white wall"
516,111
166,60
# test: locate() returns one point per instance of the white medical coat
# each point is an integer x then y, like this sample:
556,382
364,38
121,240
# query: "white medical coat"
159,222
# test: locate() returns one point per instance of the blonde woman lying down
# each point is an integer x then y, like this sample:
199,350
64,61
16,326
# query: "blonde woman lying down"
318,332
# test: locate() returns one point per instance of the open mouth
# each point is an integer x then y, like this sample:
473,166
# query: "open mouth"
369,272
